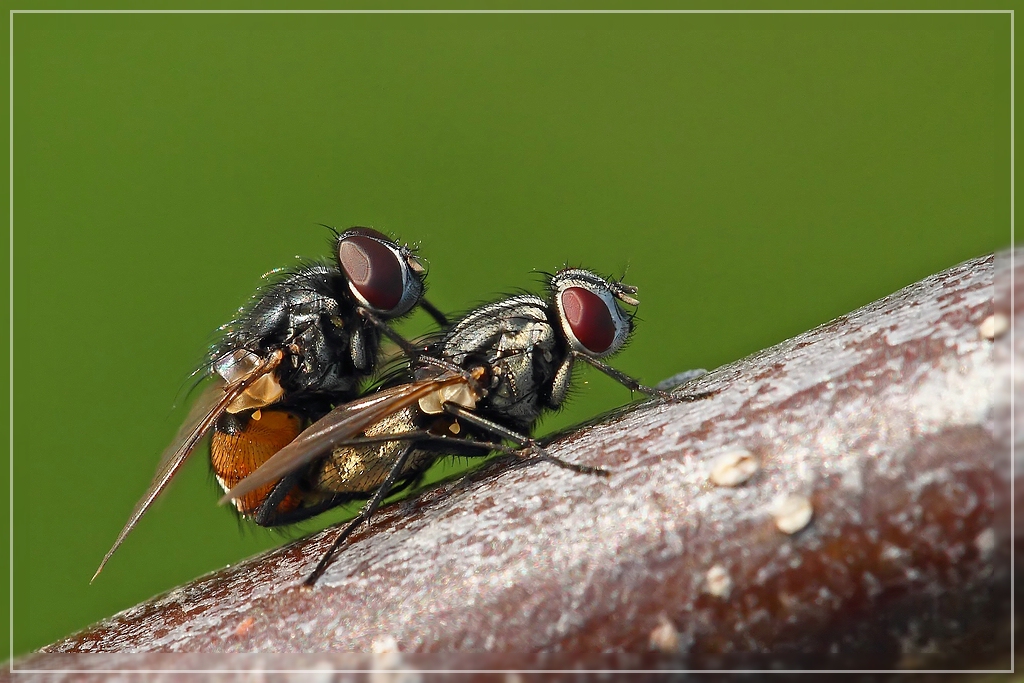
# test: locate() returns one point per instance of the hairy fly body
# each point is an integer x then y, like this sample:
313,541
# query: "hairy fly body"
304,344
482,384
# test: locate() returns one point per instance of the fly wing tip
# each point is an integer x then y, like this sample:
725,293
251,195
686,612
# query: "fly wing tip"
113,549
99,569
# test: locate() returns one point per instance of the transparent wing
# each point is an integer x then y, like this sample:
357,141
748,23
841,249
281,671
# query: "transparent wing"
210,405
343,423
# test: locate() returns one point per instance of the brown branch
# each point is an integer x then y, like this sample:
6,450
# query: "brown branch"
885,425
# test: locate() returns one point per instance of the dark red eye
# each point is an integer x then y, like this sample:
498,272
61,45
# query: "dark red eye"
589,319
373,270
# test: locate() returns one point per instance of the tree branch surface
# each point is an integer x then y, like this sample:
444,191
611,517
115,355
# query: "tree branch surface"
842,501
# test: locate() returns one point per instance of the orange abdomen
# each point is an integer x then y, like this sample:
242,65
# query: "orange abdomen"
236,454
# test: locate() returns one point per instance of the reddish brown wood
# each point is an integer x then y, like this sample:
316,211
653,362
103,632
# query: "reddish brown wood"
892,421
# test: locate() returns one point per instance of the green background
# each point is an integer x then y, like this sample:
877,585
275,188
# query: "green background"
757,174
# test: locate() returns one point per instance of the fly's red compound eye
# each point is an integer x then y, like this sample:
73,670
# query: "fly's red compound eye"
374,271
589,319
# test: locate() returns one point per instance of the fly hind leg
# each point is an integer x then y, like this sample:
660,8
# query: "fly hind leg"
269,514
368,509
528,447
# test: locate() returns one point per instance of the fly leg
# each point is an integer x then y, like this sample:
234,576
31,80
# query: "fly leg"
528,447
432,310
679,379
303,513
456,443
633,385
407,348
368,509
449,366
267,514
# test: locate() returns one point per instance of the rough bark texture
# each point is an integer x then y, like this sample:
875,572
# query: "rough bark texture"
892,423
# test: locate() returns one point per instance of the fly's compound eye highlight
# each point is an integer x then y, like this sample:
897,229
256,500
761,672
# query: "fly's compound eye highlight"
381,275
592,321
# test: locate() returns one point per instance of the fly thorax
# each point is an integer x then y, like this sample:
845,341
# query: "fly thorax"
323,360
524,337
522,364
514,380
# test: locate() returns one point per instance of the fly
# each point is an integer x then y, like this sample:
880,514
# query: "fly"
485,382
305,343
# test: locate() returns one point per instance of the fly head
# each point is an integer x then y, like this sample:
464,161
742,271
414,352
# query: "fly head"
588,311
384,277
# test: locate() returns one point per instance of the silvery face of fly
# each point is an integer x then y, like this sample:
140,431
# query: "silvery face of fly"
483,383
304,343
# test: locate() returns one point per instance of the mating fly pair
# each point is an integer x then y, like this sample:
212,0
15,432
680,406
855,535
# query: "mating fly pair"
484,382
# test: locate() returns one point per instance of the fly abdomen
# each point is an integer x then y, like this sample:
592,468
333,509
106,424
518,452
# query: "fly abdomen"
241,443
362,468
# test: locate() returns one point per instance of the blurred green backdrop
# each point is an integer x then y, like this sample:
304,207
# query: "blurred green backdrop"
757,174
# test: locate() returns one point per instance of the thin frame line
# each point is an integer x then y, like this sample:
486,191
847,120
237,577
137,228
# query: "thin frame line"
484,11
498,671
1013,515
510,11
10,302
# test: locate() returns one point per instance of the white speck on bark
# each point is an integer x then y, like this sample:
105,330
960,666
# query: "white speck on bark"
792,513
733,468
718,582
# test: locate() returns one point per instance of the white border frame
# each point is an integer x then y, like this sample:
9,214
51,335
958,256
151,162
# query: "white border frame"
486,11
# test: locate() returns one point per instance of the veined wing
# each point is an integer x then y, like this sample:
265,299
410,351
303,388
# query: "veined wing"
210,405
341,424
